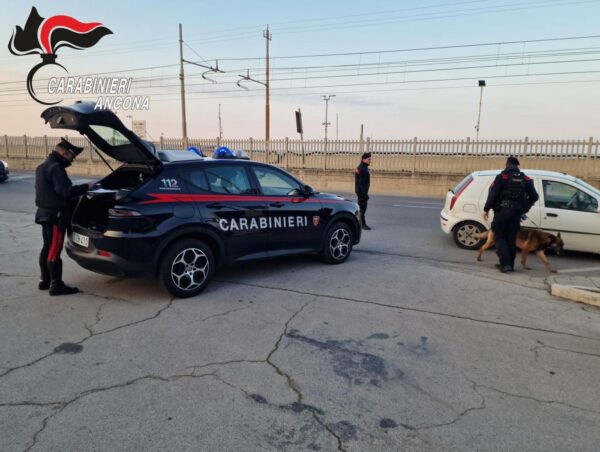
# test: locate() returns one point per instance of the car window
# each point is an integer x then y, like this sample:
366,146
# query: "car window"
462,184
195,178
564,196
276,183
228,179
110,135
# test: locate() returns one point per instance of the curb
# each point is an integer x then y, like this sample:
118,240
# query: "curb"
586,295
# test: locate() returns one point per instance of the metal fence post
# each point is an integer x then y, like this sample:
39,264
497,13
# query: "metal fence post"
46,145
467,145
251,150
89,143
587,157
414,153
6,144
26,147
286,152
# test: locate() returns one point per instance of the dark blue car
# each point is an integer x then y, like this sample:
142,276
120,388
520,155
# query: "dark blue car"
178,216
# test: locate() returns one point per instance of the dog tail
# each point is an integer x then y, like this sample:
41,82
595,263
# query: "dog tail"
481,235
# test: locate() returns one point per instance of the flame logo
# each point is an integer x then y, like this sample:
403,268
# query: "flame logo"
46,36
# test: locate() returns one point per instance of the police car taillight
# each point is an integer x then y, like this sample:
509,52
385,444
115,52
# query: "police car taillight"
455,197
123,213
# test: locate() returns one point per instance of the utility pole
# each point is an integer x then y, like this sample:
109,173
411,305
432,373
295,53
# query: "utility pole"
362,145
481,85
220,127
267,35
183,118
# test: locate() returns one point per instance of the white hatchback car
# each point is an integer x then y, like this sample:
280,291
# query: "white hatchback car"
567,205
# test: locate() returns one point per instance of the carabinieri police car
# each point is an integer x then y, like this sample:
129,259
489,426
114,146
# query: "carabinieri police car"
177,216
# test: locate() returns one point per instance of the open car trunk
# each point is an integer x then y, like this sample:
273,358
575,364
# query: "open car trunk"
92,210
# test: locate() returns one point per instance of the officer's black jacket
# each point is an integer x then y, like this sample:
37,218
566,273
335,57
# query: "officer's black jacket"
362,180
53,188
498,186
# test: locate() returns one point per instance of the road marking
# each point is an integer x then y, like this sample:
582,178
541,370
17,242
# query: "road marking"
579,270
418,207
28,176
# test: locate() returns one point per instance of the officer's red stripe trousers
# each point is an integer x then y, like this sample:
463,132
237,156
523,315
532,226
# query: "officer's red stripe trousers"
57,243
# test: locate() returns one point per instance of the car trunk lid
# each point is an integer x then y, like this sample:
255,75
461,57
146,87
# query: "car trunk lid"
105,130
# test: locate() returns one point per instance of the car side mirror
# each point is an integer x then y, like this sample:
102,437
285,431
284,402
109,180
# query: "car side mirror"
308,190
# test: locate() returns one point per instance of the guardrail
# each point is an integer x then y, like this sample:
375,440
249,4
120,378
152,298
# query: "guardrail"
577,157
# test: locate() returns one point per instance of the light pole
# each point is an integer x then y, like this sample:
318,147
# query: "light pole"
481,85
326,99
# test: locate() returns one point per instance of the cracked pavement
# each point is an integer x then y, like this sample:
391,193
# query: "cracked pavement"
389,351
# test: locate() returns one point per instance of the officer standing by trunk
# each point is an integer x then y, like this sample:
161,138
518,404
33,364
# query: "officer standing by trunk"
511,195
54,194
362,181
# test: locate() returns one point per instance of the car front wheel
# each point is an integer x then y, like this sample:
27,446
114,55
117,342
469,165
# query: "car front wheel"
186,268
338,243
465,235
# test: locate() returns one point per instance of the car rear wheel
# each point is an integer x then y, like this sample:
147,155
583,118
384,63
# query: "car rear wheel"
186,268
465,235
338,243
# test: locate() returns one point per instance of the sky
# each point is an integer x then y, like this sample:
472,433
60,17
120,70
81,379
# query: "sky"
402,69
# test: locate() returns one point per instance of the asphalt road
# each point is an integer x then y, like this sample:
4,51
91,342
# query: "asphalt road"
409,345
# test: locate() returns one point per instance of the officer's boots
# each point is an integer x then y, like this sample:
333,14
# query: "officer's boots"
44,283
57,286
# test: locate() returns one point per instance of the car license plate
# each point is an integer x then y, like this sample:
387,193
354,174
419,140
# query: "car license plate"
81,240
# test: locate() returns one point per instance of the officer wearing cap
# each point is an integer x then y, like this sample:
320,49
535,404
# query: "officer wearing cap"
54,194
511,195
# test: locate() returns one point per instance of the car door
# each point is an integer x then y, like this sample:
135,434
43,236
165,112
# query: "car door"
230,203
534,214
294,219
573,212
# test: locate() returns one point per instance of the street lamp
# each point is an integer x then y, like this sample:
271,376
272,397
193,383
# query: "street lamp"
481,85
326,99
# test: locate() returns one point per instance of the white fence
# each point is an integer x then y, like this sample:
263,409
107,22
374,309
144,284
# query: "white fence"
577,157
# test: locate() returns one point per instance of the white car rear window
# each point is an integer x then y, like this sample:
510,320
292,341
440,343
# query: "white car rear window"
462,184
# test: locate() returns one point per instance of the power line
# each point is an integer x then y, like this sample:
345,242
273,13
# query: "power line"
373,74
303,77
329,86
418,49
286,94
344,67
328,55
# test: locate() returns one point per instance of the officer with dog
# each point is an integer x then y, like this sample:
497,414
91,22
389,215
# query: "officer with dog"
54,195
511,196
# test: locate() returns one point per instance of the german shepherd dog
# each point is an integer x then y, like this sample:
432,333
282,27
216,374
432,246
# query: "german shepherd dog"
528,241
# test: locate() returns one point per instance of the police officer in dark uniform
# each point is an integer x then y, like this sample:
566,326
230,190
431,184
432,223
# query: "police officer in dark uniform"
511,195
54,195
362,181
